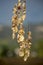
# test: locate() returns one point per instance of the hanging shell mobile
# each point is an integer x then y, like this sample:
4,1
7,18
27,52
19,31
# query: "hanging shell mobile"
19,16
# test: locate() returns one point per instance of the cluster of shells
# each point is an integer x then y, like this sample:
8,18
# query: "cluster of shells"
19,16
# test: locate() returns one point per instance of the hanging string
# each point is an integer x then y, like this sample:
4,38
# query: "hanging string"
29,24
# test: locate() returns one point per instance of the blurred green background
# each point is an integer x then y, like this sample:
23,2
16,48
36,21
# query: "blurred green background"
9,47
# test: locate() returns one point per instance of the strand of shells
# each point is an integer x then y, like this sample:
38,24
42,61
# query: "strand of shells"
19,16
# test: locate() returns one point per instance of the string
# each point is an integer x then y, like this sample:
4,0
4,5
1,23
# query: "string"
29,26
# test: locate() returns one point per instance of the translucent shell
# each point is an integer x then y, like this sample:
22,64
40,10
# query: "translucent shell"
12,28
27,54
29,33
19,7
19,0
29,37
21,53
23,17
15,29
13,35
30,43
25,58
25,43
23,46
14,10
21,31
20,38
24,12
19,4
24,6
14,17
19,20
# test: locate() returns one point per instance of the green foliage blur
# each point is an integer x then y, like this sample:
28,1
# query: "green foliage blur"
8,46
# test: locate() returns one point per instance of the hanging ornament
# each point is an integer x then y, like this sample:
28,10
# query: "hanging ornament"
19,16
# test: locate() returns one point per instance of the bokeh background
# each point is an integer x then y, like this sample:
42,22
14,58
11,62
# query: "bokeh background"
33,21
